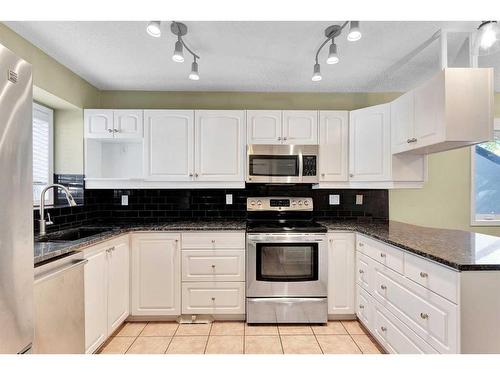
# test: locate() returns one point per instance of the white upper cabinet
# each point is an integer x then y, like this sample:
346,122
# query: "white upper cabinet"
333,145
402,122
156,274
98,123
264,127
282,127
127,123
300,127
109,123
369,144
220,146
454,109
169,145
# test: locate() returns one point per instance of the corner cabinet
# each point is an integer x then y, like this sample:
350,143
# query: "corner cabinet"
453,109
156,274
282,127
341,262
106,276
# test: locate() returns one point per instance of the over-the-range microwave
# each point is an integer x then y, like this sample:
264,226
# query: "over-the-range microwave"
282,164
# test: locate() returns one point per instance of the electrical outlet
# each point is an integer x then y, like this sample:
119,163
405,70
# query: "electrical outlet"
359,199
124,200
334,199
229,198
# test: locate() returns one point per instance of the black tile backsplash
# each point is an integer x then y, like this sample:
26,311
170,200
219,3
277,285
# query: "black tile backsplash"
159,205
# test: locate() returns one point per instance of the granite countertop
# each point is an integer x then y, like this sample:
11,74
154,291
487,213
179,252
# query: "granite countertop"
461,250
44,251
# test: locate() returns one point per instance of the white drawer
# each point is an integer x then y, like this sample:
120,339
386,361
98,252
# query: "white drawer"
382,253
395,336
213,265
213,298
363,271
431,316
213,240
364,307
437,278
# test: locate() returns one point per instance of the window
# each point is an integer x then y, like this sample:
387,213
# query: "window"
42,152
485,181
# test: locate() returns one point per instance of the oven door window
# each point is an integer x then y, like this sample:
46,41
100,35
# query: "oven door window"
287,262
274,165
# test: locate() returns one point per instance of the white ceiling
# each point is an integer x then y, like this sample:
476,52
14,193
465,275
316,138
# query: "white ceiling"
245,56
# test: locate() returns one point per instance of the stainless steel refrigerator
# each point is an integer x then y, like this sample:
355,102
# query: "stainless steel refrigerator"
16,204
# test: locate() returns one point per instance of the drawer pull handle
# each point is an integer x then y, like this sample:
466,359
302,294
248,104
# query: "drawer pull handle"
424,316
361,306
382,255
213,241
361,244
423,274
383,329
361,271
383,287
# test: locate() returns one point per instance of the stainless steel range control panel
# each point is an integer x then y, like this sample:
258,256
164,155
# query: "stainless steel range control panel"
279,204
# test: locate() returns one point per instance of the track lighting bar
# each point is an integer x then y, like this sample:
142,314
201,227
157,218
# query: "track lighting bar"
179,29
331,33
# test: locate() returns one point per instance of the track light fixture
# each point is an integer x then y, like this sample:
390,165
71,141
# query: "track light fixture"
179,29
153,28
488,39
331,33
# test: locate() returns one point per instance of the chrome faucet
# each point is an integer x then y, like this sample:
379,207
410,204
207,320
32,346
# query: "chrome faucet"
42,221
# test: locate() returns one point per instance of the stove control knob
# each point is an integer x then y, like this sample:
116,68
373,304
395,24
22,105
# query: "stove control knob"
306,203
259,203
252,203
294,203
300,203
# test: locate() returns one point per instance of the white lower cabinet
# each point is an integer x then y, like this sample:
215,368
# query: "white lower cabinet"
341,273
106,290
156,274
213,298
213,273
403,315
395,336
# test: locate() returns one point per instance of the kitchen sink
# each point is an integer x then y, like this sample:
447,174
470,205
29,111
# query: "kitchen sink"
73,234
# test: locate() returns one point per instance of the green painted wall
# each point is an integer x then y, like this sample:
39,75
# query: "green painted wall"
444,202
241,100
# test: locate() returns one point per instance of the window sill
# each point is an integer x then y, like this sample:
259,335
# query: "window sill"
485,223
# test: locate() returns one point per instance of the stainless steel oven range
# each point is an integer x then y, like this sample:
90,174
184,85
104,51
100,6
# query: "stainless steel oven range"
286,262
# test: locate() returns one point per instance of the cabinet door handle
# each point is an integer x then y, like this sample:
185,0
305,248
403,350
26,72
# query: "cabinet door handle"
423,275
351,175
213,266
284,138
361,306
383,329
382,255
115,130
361,244
213,298
190,175
361,271
196,175
322,175
424,316
279,138
110,130
383,287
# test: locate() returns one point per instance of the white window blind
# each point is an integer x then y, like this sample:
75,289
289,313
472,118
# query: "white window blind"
42,152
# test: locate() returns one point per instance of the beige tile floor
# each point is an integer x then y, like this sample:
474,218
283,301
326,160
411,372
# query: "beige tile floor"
337,337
